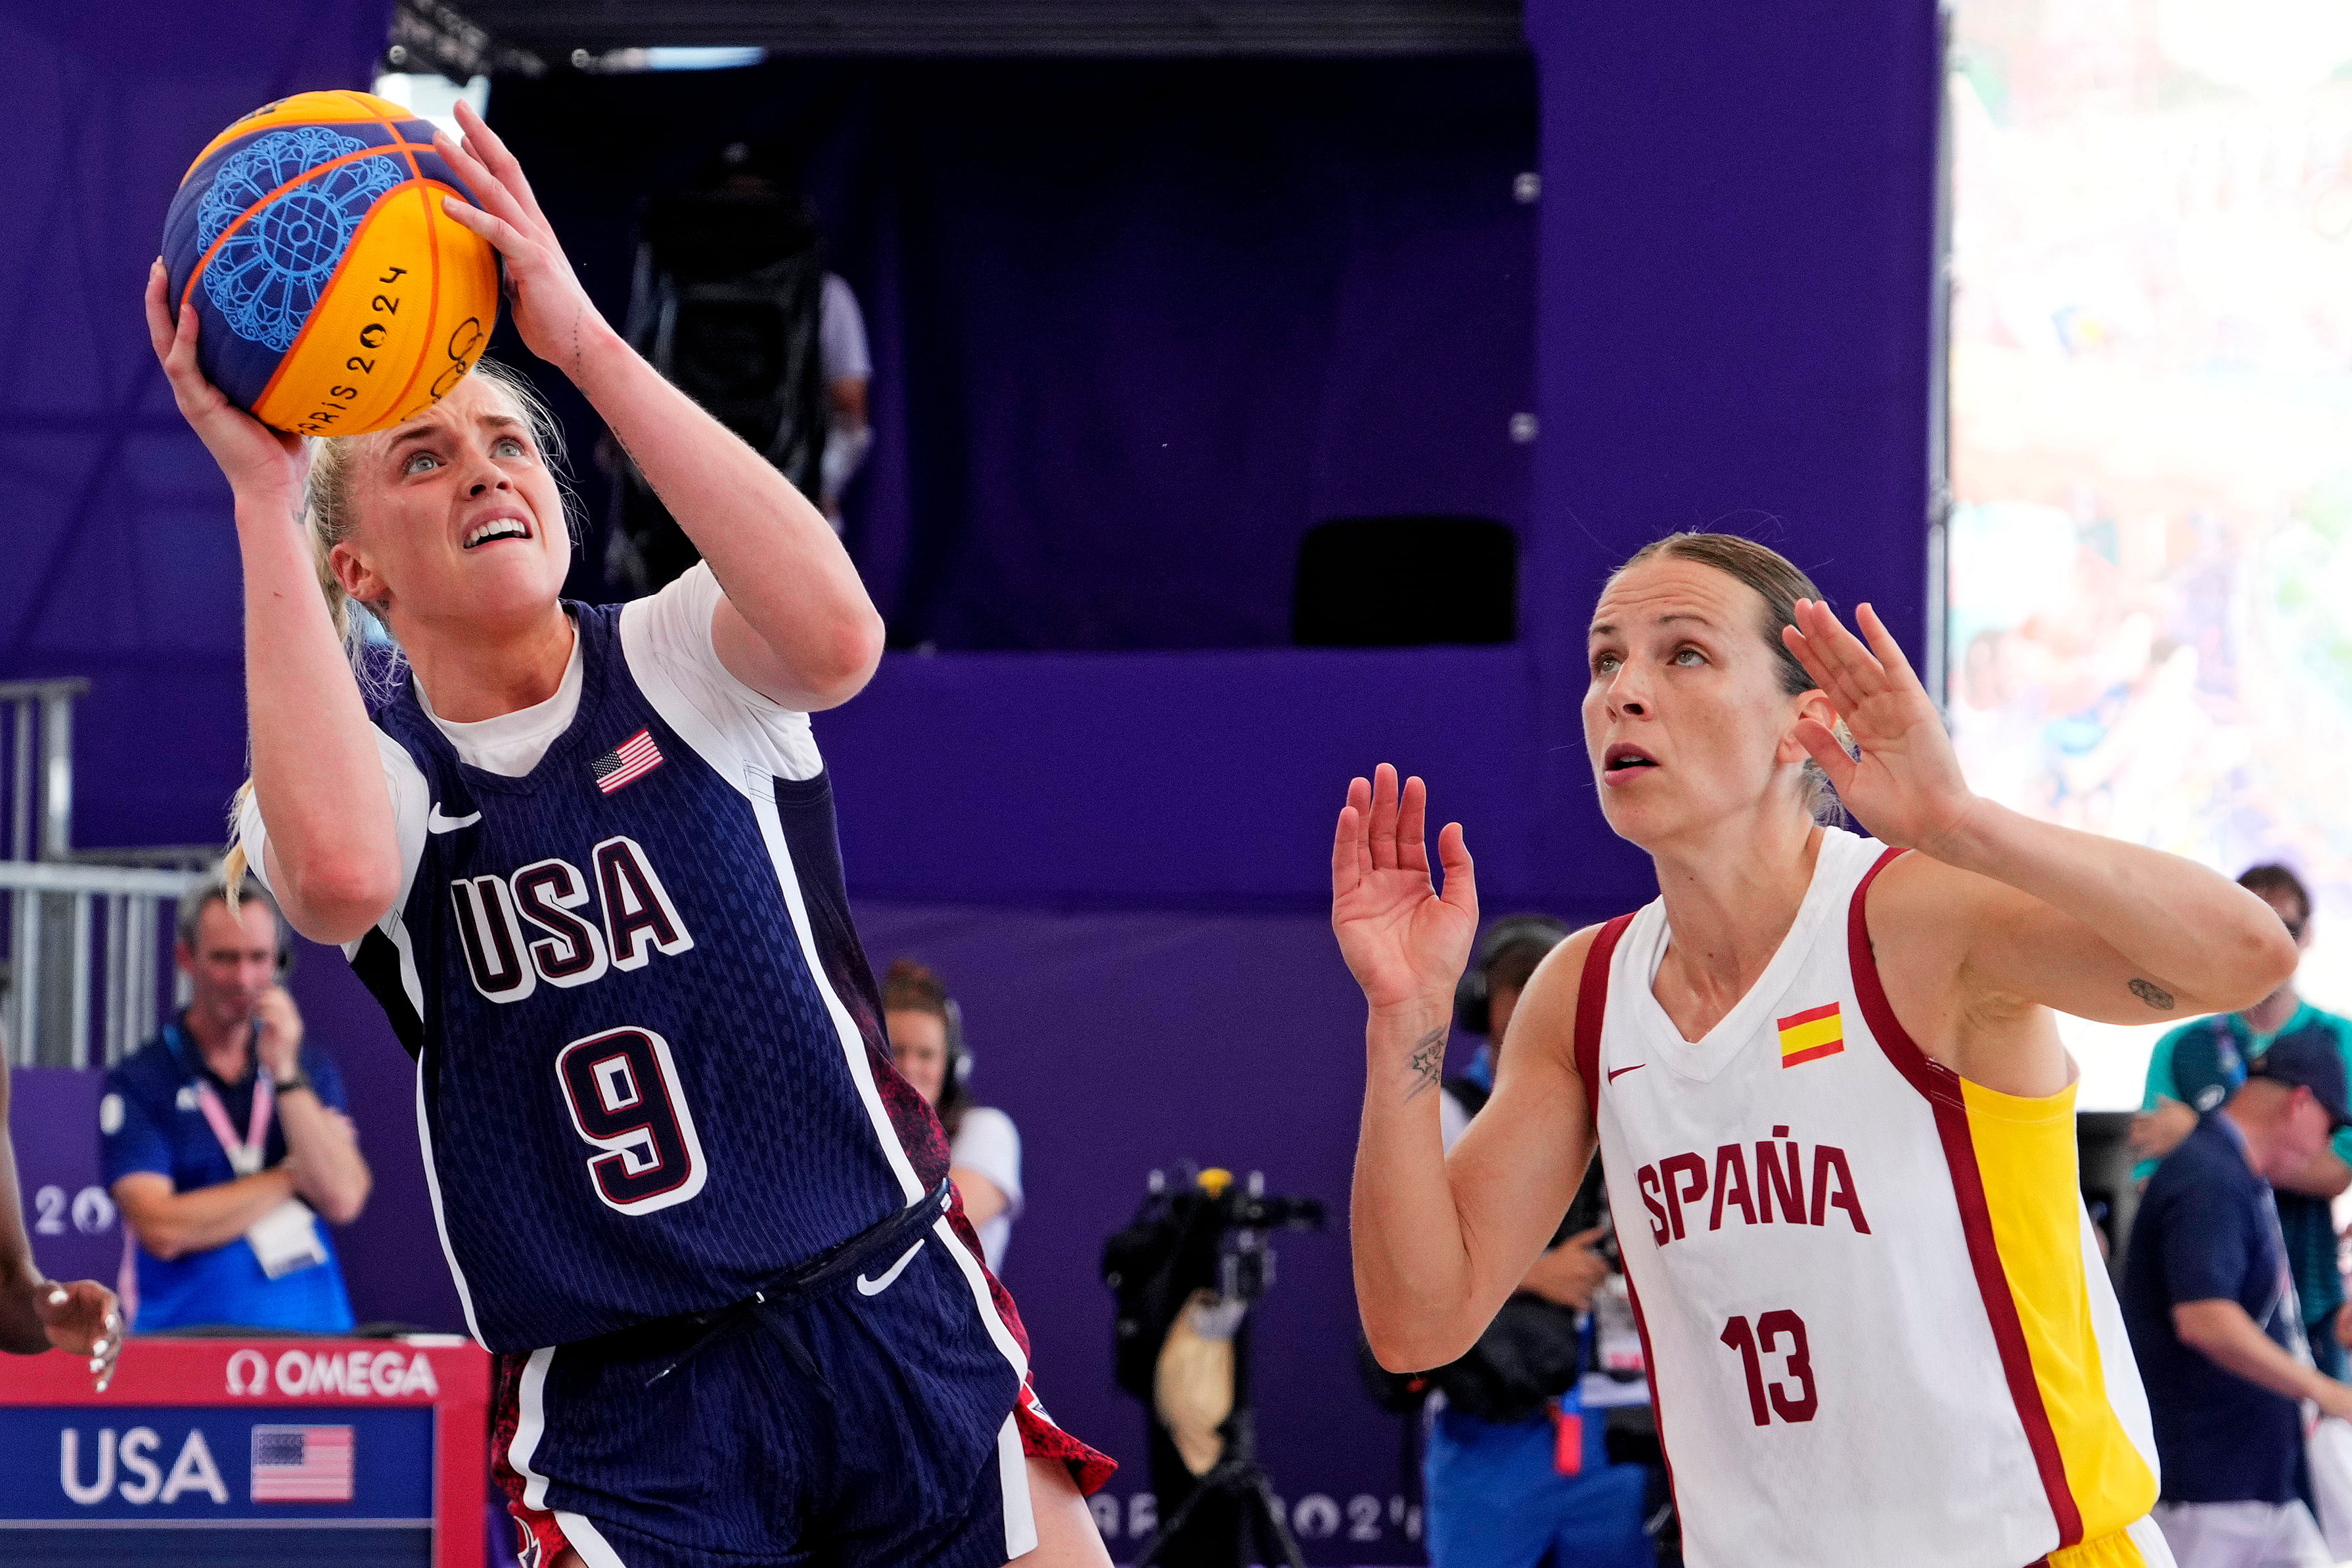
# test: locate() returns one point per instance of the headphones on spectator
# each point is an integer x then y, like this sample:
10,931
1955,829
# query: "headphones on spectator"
192,907
959,1054
1472,999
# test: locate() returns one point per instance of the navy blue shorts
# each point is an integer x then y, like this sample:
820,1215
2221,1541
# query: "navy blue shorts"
867,1418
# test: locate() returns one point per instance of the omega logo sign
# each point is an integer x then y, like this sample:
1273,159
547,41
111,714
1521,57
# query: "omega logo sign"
356,1374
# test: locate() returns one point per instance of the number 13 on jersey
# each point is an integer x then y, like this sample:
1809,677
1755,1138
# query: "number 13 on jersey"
1790,1395
622,1091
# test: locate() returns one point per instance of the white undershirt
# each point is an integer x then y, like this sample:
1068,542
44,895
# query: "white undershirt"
757,732
511,744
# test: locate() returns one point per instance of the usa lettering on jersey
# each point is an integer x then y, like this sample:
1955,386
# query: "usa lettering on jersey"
1677,1188
550,921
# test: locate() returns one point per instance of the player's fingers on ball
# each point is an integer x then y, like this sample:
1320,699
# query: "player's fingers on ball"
492,194
183,337
495,151
489,195
510,241
483,151
157,302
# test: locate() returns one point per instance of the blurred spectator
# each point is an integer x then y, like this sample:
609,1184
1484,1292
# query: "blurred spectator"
1516,1493
2210,1301
227,1137
2196,1067
848,374
925,1030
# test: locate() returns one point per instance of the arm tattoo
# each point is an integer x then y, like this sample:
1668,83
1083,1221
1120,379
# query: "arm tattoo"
2152,993
1427,1063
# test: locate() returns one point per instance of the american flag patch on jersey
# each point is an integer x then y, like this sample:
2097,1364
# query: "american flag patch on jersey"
632,759
301,1464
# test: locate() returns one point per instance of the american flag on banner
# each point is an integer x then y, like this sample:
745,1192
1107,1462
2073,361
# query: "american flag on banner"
632,759
301,1464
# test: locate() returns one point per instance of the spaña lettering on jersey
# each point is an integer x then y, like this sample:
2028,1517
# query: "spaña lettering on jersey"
1689,1192
552,921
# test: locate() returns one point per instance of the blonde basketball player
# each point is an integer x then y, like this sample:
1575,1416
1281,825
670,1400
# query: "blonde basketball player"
1836,1121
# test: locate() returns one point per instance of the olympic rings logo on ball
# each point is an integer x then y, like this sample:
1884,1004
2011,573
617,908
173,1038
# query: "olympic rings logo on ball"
464,348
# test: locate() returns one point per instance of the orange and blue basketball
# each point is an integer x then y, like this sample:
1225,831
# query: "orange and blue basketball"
333,295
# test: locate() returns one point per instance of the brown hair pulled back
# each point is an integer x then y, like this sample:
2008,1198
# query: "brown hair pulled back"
912,987
1780,583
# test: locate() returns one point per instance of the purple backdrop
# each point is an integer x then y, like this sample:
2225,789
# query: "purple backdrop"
1309,283
1137,326
120,564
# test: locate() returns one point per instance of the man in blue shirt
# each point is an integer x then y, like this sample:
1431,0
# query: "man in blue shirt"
2196,1067
226,1138
2209,1302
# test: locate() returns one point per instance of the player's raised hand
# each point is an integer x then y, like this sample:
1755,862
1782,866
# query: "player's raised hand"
1404,941
259,462
551,311
1905,784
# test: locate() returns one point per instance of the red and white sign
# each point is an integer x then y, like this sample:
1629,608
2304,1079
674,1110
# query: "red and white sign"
333,1374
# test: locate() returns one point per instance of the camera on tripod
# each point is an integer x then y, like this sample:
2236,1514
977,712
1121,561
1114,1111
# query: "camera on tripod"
1184,1273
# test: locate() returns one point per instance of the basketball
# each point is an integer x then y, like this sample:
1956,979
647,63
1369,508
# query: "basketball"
334,296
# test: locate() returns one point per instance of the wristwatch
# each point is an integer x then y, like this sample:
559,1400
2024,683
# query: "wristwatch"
288,1085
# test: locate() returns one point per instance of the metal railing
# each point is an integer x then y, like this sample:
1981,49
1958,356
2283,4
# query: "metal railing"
107,935
36,718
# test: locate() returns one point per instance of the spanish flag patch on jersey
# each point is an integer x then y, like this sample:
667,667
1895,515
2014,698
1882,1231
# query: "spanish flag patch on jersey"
1811,1034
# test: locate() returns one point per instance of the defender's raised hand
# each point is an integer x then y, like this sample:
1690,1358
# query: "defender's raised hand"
1404,941
1905,784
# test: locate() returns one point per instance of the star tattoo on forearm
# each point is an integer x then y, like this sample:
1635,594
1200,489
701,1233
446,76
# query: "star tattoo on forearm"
1427,1063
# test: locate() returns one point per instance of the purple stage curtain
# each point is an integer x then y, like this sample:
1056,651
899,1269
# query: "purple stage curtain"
119,560
1137,326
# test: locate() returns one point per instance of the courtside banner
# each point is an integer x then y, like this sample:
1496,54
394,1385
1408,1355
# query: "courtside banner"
366,1453
183,1465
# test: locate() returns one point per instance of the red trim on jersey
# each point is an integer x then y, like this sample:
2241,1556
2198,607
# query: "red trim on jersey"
1592,1008
1940,1086
539,1540
1041,1436
1591,1011
1650,1371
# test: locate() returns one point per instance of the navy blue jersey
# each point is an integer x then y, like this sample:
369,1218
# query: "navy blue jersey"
650,1069
2206,1231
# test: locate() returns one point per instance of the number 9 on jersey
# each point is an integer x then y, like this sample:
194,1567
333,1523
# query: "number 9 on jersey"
622,1091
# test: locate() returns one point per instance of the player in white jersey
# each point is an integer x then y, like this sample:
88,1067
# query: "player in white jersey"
1835,1118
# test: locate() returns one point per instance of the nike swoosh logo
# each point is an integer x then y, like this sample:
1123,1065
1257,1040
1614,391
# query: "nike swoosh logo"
1617,1072
435,822
866,1287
